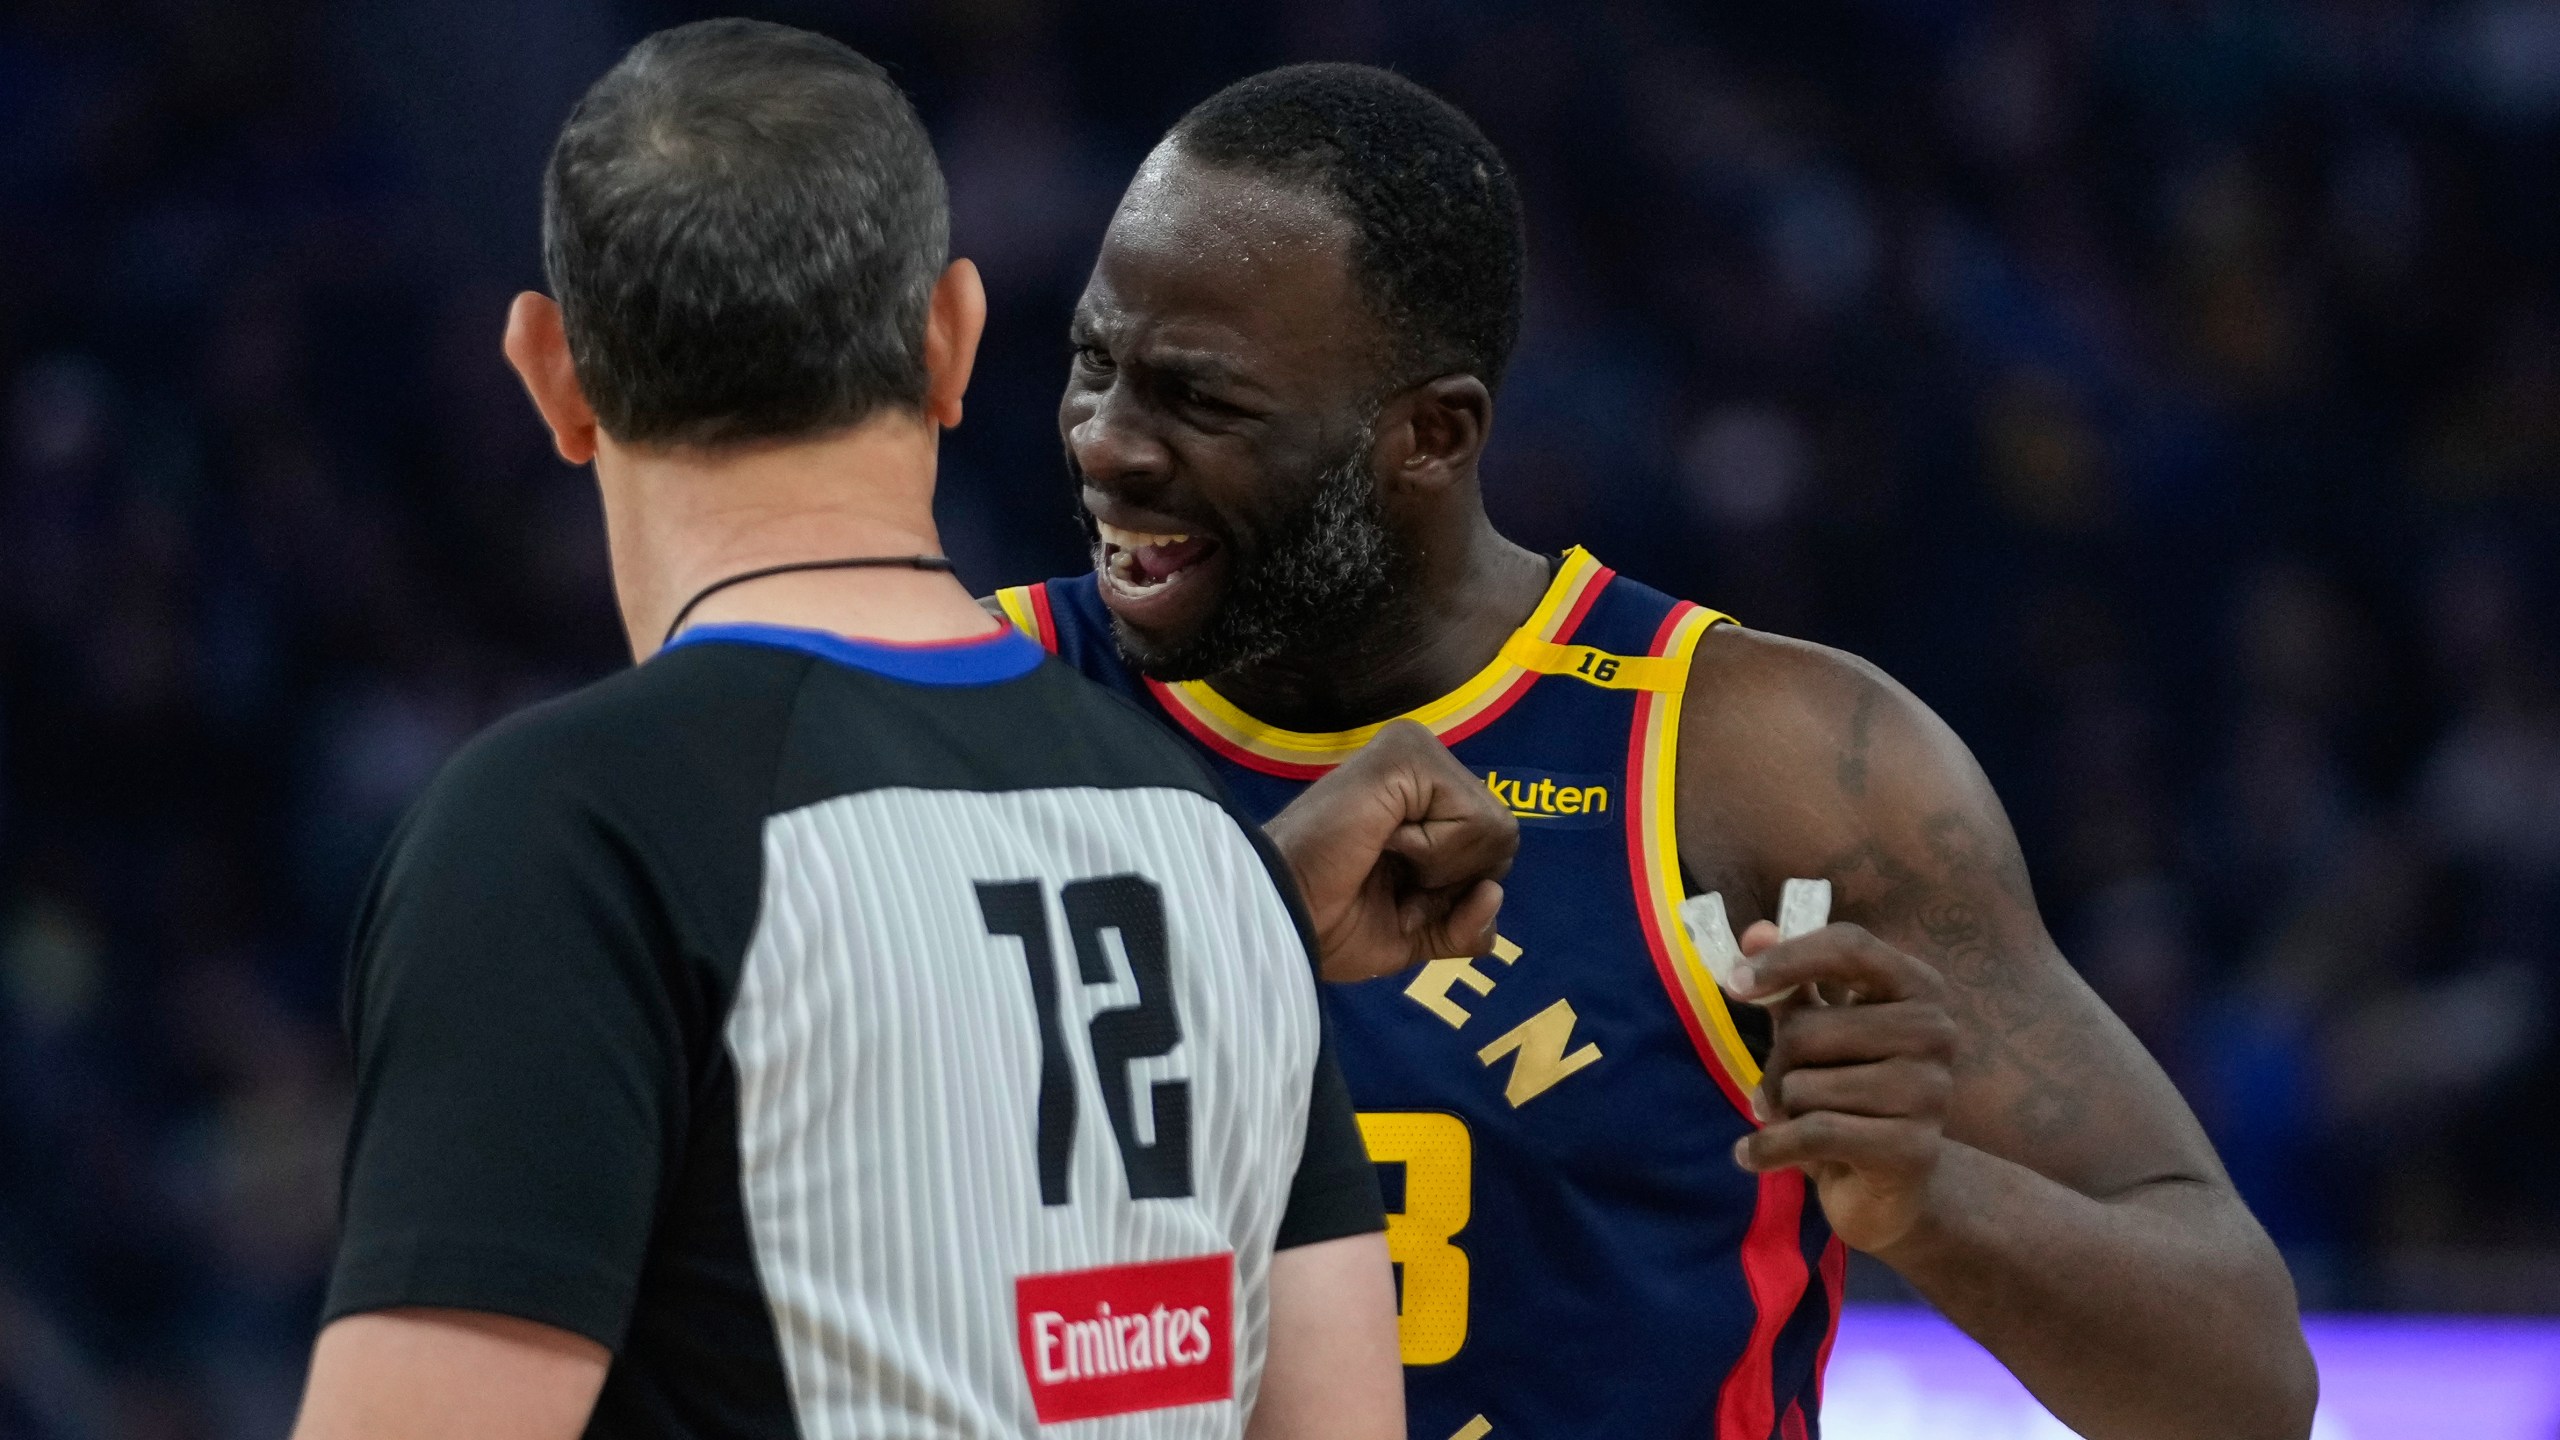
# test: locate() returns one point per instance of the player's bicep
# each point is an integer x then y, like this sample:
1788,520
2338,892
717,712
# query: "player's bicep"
1333,1370
2045,1074
449,1375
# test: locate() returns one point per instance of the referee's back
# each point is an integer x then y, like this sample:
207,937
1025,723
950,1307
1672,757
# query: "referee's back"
857,1040
801,1035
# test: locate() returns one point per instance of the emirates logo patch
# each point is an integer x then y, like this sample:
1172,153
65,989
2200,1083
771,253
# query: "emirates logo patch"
1128,1337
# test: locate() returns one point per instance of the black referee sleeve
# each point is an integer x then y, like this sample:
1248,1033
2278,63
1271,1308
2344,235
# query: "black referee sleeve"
520,1072
1336,1192
1336,1189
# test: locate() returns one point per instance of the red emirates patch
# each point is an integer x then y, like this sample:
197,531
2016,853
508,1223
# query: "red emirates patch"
1128,1338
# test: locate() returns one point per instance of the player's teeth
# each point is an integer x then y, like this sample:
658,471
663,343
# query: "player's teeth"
1132,539
1124,572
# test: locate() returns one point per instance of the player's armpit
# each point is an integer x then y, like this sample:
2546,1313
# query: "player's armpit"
426,1374
1333,1372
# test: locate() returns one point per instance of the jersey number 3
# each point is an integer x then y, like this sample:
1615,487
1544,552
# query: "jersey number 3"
1438,1158
1131,907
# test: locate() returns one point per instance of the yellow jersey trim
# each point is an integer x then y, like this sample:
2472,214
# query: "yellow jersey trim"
1594,666
1015,600
1223,717
1658,791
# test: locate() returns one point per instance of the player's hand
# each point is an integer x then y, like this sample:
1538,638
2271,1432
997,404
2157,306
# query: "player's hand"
1856,1088
1399,853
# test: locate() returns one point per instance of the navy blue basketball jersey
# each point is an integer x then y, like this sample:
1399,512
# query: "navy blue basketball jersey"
1577,1255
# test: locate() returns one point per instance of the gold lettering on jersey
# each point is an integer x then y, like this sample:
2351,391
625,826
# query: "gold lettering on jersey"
1537,1046
1430,987
1475,1429
1438,1156
1544,799
1542,1049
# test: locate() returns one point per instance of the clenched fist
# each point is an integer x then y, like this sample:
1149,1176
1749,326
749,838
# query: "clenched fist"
1399,853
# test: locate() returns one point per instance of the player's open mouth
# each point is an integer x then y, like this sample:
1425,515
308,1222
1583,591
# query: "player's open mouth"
1141,565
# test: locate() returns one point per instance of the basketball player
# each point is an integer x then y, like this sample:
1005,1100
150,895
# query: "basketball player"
1617,1195
848,1022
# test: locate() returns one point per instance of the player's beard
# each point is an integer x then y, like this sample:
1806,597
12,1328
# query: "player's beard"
1317,579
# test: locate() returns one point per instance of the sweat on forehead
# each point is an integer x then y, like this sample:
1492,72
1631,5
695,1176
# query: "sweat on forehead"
1209,258
1180,207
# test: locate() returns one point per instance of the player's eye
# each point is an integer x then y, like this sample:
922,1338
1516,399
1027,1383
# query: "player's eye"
1093,358
1192,397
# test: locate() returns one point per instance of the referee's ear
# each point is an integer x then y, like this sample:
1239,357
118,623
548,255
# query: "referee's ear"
538,347
955,318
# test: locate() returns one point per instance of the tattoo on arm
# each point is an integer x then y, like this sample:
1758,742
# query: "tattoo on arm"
1967,905
1919,852
1853,760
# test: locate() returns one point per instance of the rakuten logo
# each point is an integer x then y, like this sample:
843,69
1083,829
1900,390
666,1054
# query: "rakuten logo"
1128,1338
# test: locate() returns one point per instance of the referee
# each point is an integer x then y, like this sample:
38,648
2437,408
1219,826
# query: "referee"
848,1022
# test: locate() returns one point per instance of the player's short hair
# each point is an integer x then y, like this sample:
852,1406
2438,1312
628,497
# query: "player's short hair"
1438,245
743,224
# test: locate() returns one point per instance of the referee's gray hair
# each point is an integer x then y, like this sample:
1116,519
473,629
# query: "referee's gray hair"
743,223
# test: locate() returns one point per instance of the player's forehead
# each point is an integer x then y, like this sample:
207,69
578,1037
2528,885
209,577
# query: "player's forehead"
1220,262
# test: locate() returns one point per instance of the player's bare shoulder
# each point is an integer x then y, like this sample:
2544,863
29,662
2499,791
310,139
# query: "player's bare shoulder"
1750,689
1800,759
1797,759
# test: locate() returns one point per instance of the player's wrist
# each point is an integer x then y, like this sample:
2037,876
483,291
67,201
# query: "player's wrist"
1940,1223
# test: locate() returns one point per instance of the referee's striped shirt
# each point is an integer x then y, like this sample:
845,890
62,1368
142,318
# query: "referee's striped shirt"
857,1040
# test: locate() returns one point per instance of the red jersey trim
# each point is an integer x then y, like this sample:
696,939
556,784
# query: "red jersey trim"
1653,858
1773,1269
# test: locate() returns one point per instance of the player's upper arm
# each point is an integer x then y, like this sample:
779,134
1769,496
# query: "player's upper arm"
519,1055
449,1375
1800,760
1333,1371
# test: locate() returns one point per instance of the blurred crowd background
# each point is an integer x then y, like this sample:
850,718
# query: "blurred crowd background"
2167,390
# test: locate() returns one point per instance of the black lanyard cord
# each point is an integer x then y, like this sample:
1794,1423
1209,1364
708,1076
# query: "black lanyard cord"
857,562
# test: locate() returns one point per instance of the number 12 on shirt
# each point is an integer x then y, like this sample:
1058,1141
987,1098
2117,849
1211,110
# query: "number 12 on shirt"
1132,907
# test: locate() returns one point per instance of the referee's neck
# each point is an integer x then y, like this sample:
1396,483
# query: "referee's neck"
680,518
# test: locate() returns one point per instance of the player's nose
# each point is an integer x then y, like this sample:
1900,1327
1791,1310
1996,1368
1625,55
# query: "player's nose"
1111,441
